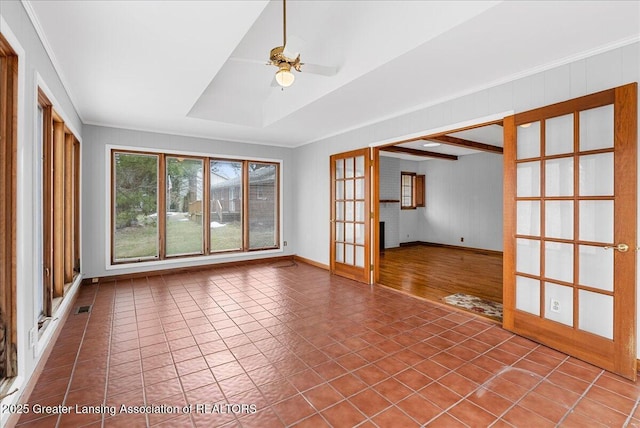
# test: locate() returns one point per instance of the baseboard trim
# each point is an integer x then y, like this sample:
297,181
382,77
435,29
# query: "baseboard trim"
186,269
37,371
311,262
455,247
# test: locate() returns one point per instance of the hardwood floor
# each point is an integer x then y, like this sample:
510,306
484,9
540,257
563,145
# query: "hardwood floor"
435,272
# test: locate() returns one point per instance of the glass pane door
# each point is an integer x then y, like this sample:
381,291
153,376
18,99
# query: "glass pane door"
571,188
350,215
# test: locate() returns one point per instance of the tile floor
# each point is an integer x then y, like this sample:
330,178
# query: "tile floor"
290,345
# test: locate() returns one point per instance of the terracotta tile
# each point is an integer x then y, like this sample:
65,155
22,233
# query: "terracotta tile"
568,382
489,401
408,357
419,408
197,380
322,396
262,418
206,394
49,388
305,380
471,415
348,385
253,362
611,399
74,419
521,417
371,374
167,388
445,420
544,407
618,385
343,414
393,417
391,365
293,409
124,420
506,389
275,392
557,394
329,370
579,369
314,421
369,402
392,390
413,379
431,369
578,420
440,395
43,422
600,413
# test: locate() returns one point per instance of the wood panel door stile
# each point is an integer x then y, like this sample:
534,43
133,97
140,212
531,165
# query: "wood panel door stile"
350,211
570,196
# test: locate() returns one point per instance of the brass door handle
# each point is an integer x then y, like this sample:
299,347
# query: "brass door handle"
623,248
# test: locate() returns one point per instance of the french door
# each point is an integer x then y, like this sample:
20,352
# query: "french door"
570,227
351,215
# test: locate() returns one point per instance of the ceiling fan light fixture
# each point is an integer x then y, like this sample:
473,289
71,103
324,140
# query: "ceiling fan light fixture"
284,76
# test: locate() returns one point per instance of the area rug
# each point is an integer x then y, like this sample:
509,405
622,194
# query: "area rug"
475,304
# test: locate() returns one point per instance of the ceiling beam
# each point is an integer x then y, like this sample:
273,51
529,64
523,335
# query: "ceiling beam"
416,152
467,144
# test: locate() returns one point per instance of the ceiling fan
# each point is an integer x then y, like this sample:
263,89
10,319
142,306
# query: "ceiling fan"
287,58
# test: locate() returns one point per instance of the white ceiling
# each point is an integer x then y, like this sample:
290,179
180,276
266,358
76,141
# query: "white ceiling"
179,66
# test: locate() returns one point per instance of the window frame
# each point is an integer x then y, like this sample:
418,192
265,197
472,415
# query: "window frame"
163,259
417,189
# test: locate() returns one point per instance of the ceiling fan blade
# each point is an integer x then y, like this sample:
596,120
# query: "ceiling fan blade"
293,47
322,70
248,60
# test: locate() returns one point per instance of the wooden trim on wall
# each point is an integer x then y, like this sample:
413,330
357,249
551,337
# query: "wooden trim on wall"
453,247
68,208
310,262
58,208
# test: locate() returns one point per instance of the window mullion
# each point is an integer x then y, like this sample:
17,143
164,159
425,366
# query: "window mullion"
245,205
162,206
206,204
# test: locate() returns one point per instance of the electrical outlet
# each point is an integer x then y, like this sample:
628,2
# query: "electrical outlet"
461,239
95,280
33,337
285,243
555,305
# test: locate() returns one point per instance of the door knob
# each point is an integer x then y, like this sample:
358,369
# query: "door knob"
623,248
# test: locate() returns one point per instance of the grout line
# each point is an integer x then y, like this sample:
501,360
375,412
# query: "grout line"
582,396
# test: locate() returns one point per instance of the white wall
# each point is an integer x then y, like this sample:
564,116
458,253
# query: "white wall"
463,200
95,189
33,64
390,190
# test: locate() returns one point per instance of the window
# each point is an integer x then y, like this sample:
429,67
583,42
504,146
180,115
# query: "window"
411,190
155,219
135,211
263,205
226,232
185,194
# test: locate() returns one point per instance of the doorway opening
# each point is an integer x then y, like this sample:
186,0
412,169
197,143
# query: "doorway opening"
439,217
